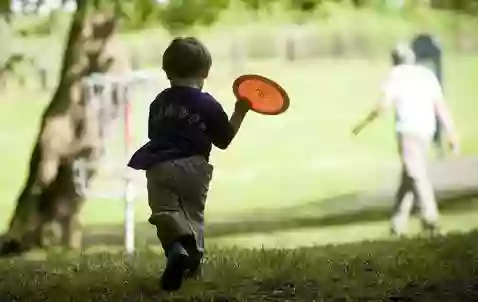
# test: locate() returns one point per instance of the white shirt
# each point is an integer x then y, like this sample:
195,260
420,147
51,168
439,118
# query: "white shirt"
413,91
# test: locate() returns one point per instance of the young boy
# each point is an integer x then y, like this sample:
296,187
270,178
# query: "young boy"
184,123
416,95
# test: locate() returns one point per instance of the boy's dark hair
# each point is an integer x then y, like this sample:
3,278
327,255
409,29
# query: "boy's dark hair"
186,57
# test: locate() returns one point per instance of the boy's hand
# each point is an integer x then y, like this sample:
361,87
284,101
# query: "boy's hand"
242,106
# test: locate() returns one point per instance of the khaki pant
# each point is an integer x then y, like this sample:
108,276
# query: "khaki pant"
177,193
415,185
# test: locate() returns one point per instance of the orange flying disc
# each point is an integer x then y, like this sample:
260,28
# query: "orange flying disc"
266,96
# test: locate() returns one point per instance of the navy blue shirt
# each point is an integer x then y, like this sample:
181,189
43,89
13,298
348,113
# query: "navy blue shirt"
183,122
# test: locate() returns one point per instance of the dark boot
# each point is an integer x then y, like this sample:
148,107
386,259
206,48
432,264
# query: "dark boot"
195,267
195,257
178,262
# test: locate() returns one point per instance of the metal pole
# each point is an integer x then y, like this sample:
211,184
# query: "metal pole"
128,193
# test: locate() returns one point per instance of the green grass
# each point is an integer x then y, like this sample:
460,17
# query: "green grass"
308,153
290,181
275,163
439,269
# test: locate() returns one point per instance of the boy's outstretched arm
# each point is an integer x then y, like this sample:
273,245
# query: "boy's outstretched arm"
240,110
222,129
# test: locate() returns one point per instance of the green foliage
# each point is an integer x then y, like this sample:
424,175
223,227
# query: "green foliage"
138,14
305,5
41,25
37,26
5,8
6,39
179,15
175,16
464,6
259,4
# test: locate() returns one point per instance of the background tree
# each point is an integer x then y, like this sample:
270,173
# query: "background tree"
49,194
65,135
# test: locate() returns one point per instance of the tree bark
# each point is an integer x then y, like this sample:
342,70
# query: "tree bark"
65,135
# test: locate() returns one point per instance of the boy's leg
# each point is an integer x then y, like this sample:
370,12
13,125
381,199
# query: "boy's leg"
166,215
195,257
194,175
170,221
176,266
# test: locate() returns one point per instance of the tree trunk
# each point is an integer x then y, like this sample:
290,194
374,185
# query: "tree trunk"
49,194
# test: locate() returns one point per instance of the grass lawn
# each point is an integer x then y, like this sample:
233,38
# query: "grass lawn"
289,217
287,181
281,162
420,269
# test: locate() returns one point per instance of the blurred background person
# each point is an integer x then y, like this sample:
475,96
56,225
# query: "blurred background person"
416,96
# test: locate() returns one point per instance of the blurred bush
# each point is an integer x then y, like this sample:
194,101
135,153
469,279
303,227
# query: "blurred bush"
288,29
464,6
179,15
139,14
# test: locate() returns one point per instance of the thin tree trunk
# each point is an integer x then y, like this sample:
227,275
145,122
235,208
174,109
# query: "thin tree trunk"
49,193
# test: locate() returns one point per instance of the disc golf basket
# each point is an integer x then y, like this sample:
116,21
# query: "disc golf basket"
109,108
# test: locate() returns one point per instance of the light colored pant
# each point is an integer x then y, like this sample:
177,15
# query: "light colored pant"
177,192
415,185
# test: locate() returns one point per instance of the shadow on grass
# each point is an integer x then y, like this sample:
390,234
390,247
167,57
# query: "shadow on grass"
463,290
337,211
